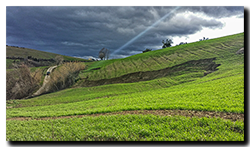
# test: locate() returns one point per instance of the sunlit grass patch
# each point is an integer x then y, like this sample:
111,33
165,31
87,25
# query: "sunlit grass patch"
126,128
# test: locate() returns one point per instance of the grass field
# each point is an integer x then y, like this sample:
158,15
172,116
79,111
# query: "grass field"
25,52
223,48
126,128
221,91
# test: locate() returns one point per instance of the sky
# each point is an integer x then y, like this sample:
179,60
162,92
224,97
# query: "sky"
82,31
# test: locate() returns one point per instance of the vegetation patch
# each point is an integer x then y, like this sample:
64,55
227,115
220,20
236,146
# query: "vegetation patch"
212,106
191,66
126,128
187,113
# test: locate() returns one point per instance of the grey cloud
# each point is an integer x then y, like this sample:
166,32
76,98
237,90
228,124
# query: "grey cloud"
216,11
83,31
180,25
73,43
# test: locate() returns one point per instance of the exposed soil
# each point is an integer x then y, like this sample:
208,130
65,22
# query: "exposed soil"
204,64
45,87
240,51
187,113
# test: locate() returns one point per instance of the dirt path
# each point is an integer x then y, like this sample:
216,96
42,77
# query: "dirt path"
46,80
187,113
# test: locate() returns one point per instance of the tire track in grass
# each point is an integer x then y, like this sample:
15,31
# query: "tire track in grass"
158,62
151,64
201,54
124,67
179,55
102,73
220,52
146,65
191,55
222,46
129,66
163,60
166,57
186,113
108,73
138,63
115,70
212,52
227,45
134,65
206,53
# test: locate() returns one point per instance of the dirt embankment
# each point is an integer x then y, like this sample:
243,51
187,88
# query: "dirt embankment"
204,64
45,86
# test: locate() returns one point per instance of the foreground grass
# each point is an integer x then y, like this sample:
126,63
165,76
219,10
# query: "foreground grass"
126,127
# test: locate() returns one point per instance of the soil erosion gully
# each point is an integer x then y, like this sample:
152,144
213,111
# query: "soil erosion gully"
45,87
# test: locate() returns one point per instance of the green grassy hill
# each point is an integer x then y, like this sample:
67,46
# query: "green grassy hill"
182,105
25,52
167,57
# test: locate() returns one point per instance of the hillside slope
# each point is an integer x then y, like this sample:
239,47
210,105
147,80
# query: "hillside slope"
220,48
25,52
188,104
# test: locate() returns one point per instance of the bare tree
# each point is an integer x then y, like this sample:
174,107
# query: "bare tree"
107,54
167,43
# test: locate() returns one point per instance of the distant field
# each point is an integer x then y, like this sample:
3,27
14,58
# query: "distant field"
220,48
25,52
51,116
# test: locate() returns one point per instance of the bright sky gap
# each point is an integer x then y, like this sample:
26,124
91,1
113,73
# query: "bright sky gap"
139,35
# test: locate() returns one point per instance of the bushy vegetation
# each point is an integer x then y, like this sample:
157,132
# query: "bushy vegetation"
20,82
146,50
24,81
65,75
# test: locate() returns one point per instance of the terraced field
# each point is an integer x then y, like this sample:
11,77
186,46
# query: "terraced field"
164,58
182,105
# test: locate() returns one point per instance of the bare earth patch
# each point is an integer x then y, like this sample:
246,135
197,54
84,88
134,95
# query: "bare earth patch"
187,113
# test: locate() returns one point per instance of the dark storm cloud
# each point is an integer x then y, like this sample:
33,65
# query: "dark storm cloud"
83,31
